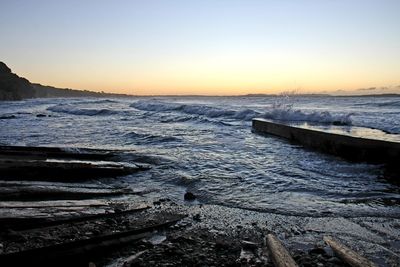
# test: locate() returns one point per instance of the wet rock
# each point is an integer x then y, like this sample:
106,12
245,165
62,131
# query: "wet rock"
249,245
196,217
118,210
335,260
13,235
317,251
110,221
189,196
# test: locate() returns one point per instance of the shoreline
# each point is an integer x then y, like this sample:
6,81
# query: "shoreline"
199,234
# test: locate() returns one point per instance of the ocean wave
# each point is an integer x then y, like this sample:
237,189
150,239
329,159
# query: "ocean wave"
287,113
140,138
195,109
71,109
96,101
281,112
393,103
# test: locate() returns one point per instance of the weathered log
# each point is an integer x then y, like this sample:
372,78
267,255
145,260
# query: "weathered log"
131,259
347,255
279,254
80,251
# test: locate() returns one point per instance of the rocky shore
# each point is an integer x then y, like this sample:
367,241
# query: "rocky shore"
52,220
14,87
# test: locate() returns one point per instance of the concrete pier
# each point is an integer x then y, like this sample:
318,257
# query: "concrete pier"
346,146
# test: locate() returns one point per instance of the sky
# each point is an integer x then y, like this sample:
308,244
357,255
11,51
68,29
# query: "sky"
215,47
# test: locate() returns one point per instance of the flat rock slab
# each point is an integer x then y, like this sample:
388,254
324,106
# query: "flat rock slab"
63,169
55,152
49,192
55,203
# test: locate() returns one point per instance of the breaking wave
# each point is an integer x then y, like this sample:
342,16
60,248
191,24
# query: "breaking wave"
286,112
281,112
70,109
202,110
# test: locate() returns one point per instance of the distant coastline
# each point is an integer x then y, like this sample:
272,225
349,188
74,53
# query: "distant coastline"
14,87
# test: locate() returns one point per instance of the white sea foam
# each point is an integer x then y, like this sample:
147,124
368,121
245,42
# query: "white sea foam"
278,111
285,112
72,109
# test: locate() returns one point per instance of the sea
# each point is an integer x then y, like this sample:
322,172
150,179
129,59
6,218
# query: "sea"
206,145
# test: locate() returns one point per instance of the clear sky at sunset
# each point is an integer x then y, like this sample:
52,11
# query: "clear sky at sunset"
203,47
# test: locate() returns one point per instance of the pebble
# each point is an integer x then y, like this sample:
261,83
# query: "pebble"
196,217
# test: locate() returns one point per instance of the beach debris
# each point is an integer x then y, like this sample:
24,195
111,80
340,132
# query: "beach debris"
131,259
189,196
348,255
279,254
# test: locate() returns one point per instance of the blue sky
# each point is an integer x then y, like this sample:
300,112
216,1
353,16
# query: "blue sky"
210,47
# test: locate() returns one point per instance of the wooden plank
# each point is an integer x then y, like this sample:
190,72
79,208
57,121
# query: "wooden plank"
279,254
347,255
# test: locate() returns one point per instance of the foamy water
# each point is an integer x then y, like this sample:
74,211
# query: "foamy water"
206,145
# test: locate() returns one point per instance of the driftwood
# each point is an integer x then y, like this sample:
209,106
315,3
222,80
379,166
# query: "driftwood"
131,259
279,254
347,255
35,223
80,251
